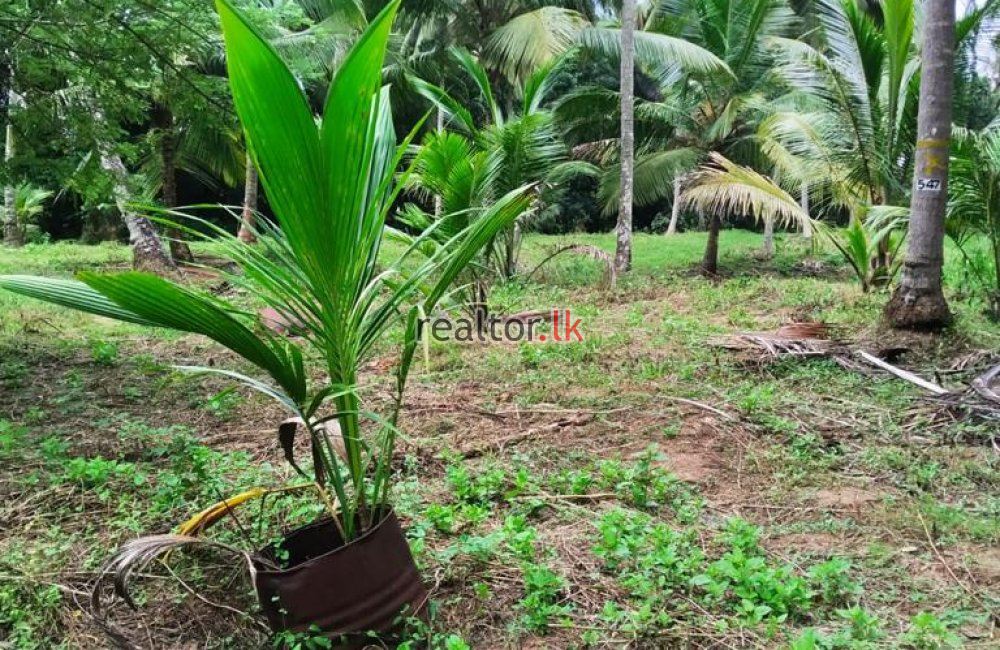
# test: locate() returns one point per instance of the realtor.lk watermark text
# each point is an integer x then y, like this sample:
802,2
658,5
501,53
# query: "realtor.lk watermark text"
505,329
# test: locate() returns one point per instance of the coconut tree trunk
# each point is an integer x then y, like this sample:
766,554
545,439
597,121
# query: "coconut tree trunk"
710,262
147,250
807,229
163,120
250,193
438,199
675,209
768,238
11,229
623,251
918,302
148,253
12,234
512,243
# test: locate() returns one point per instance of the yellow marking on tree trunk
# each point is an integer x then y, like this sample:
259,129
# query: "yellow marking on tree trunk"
932,144
933,163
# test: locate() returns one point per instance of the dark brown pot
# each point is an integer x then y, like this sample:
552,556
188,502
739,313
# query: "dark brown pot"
347,591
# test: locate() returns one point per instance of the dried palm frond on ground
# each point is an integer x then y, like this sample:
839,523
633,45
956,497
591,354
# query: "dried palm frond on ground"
981,400
805,339
974,359
978,401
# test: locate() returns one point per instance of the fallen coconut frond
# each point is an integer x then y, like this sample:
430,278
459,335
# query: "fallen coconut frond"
599,152
525,317
812,330
806,339
903,374
211,515
980,400
974,359
137,554
983,385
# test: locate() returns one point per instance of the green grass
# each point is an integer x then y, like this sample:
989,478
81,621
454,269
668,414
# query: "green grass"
799,519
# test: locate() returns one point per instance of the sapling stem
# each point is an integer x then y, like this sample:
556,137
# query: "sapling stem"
332,508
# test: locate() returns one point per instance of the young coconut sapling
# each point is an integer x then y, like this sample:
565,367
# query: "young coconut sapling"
331,183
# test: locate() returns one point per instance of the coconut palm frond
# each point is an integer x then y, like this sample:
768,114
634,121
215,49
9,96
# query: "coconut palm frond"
570,169
724,187
601,152
212,151
532,40
799,143
479,76
29,201
585,250
350,13
537,86
459,115
587,114
319,50
884,219
653,49
210,516
460,177
974,187
528,146
843,133
968,25
137,554
653,179
898,30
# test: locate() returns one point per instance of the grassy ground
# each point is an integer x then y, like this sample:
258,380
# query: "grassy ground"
641,489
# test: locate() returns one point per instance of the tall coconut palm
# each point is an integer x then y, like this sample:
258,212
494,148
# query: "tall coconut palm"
623,249
712,60
12,234
851,127
919,301
512,37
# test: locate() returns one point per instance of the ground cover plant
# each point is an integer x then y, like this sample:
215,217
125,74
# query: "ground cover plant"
646,324
555,496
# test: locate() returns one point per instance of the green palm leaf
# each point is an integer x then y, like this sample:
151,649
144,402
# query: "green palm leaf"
533,39
72,294
167,305
478,74
727,188
652,50
654,177
280,130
